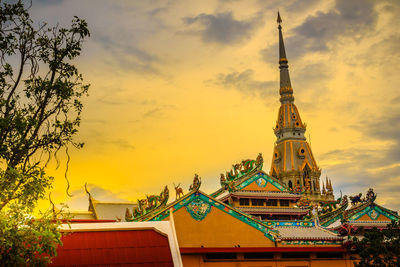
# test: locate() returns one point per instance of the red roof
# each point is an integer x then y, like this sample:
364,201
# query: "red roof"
146,247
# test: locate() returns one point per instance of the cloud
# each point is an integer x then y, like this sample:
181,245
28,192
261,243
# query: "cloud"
156,110
47,2
127,54
120,143
359,168
245,83
348,18
300,5
223,28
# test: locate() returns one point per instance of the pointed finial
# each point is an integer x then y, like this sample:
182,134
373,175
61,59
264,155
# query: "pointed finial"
279,20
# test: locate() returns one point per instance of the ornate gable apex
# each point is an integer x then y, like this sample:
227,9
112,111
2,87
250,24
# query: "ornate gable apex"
257,181
199,204
260,181
371,212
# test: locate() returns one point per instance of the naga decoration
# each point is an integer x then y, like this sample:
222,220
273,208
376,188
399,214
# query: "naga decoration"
196,183
147,205
178,191
241,169
326,209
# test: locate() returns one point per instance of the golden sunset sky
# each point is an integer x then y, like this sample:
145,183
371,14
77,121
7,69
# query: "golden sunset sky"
184,87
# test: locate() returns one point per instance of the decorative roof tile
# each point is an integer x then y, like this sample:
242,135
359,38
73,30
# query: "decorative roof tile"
306,233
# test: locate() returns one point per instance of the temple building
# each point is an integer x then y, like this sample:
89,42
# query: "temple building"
282,218
252,191
293,162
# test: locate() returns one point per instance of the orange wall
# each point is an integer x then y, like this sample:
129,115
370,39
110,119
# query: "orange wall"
381,217
254,186
217,229
197,260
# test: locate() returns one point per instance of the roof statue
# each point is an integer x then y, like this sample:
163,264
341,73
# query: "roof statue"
147,205
240,171
196,183
178,191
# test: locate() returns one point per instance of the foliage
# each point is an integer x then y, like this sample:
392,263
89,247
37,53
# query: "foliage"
26,241
379,247
40,108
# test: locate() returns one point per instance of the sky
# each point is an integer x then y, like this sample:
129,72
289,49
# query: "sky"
184,87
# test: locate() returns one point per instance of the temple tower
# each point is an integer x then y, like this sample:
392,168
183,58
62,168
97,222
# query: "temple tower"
293,162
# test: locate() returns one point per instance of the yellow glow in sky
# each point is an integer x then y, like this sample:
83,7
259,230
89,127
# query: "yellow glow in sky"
186,87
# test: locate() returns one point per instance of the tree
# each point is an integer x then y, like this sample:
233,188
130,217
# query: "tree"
378,247
40,108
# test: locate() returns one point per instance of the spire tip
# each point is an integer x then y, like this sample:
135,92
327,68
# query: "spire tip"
279,20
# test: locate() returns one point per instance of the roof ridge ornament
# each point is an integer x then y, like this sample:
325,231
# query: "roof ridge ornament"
241,170
147,205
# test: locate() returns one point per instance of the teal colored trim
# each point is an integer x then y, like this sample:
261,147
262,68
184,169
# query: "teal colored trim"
199,196
369,210
263,176
290,223
332,220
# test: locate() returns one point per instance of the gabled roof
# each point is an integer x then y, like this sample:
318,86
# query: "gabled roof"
260,178
112,210
372,210
198,196
306,233
296,230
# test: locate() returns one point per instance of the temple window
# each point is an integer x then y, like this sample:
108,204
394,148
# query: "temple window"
332,255
259,255
272,202
295,255
284,202
220,256
257,202
244,202
290,184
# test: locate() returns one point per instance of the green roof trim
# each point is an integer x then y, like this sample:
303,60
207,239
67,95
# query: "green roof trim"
259,178
374,212
208,203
